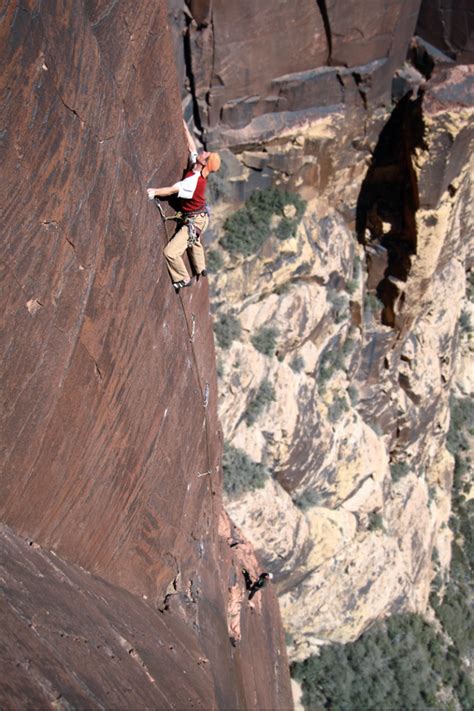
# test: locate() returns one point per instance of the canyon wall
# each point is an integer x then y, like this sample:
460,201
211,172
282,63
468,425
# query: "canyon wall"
346,404
118,561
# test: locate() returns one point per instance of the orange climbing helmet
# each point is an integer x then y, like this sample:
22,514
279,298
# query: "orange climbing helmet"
213,162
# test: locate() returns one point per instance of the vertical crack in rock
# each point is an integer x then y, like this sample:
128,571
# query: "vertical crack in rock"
360,88
327,28
188,63
388,202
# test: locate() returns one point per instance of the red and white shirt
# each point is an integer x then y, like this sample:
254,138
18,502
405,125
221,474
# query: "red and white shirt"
192,191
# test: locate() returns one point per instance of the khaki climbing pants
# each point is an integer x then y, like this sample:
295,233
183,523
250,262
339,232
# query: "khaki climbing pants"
177,246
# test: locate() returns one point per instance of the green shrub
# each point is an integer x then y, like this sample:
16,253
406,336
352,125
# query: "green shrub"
264,396
348,347
307,500
264,340
282,288
241,473
372,303
461,421
227,329
356,268
353,394
375,521
470,285
351,286
465,322
247,229
297,364
398,470
339,305
401,664
214,261
332,360
336,409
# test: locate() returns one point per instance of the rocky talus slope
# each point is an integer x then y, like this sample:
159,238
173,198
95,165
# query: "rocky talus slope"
363,301
120,571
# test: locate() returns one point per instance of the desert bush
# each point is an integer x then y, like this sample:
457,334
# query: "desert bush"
297,364
264,340
470,285
375,521
353,394
214,261
307,499
339,305
465,322
348,347
336,409
263,397
227,329
400,664
331,360
352,286
247,229
241,474
398,470
372,303
356,268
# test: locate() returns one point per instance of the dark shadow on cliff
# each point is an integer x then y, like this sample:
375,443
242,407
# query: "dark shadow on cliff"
388,200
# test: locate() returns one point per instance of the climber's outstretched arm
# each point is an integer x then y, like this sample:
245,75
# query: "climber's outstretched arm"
191,142
162,192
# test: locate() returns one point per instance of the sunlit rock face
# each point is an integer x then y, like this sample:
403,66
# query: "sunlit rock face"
365,299
116,575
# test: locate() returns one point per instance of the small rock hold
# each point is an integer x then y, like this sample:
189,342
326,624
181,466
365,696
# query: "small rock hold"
33,305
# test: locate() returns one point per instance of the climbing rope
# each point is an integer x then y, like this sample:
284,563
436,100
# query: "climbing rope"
204,391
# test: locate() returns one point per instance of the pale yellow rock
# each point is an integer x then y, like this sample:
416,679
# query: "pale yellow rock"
340,599
335,577
289,211
439,477
276,527
297,692
294,314
330,530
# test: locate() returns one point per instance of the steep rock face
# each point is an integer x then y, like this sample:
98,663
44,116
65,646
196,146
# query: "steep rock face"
111,440
449,26
355,436
254,66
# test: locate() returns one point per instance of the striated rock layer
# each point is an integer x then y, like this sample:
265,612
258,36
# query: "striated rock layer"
110,439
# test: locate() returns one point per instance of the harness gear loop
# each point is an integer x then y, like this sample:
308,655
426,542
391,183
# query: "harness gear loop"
189,219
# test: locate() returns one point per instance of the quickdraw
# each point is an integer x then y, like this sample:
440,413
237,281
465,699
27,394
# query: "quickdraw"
177,216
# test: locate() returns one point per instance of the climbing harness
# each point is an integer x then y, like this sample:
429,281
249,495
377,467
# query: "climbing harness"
189,219
186,218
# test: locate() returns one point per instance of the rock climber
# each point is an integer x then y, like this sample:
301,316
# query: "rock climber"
255,586
195,214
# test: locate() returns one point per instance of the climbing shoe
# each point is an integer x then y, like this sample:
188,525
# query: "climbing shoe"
181,284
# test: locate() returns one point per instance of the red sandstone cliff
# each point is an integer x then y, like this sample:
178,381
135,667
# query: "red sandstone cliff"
116,575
